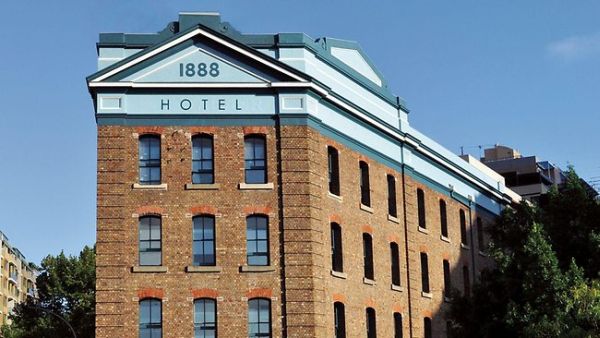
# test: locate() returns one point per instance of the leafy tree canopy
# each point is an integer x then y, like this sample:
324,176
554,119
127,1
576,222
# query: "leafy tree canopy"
66,287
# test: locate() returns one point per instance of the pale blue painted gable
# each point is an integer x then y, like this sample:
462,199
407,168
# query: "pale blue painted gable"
195,64
356,61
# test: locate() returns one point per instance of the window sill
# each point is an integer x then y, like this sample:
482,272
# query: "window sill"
202,269
193,186
366,208
335,197
257,268
396,288
445,239
423,230
426,294
483,254
368,281
338,274
147,268
393,219
162,186
256,186
464,246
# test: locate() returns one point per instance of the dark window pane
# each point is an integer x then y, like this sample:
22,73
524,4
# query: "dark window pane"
257,240
371,323
447,280
339,318
421,208
337,261
392,209
203,245
443,218
395,259
424,273
463,228
368,256
259,318
202,159
150,319
466,281
397,325
333,171
427,327
255,159
150,240
480,234
365,188
149,159
205,318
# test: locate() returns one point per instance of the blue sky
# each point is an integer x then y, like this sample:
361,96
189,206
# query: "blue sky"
524,74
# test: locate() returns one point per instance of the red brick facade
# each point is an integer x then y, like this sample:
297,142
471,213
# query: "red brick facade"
299,281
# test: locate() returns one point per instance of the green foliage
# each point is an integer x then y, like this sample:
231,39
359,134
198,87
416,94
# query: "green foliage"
545,280
66,287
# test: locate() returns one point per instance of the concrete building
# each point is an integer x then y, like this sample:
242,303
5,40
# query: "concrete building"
270,185
17,278
527,176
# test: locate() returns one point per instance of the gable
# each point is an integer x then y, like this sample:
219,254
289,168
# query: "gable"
197,56
354,59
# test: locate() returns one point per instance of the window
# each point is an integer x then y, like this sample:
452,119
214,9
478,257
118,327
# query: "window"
257,235
333,166
466,281
255,162
463,228
421,208
427,327
205,318
443,219
150,241
149,156
391,183
480,241
259,318
339,318
368,256
447,280
337,260
371,325
202,160
203,236
424,273
395,252
397,325
150,318
365,188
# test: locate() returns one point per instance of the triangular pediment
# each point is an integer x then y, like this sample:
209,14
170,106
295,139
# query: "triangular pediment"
197,57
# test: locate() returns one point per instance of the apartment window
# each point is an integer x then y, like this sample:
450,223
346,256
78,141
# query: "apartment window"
259,318
480,234
257,235
339,318
421,208
337,260
397,325
463,228
424,273
333,166
447,280
150,318
203,236
365,187
371,324
368,256
149,159
202,160
427,327
466,281
443,219
150,241
255,162
395,260
391,184
205,318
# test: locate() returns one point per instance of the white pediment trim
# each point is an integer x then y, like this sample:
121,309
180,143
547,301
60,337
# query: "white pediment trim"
185,37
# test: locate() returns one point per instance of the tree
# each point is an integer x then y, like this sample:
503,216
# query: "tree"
66,288
543,282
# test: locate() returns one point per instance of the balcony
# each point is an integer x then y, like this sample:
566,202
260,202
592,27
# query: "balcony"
13,277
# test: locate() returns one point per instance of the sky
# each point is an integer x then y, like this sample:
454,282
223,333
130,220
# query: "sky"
473,73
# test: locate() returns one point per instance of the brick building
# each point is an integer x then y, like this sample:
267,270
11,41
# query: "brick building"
271,185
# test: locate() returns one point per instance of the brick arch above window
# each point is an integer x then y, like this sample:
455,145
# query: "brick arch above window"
149,130
338,297
151,293
335,218
205,293
203,130
150,210
198,210
259,293
367,229
255,130
257,210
